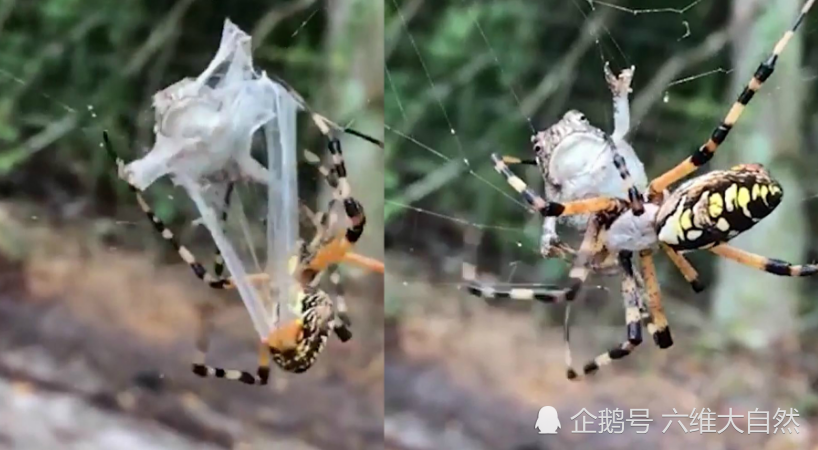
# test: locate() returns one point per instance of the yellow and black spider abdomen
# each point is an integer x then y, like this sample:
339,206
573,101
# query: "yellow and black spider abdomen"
295,347
716,207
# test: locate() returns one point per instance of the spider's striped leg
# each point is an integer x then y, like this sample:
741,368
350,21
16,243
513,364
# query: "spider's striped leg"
633,316
769,265
198,269
349,257
504,292
317,220
325,123
512,160
620,87
203,370
634,196
605,262
550,243
684,266
341,324
335,250
658,326
218,261
704,153
353,209
592,244
554,209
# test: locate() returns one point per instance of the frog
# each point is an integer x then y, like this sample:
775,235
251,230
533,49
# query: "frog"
575,159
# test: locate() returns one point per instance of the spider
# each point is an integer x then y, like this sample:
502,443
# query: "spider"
703,213
293,346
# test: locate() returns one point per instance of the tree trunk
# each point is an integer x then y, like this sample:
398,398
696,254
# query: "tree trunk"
751,308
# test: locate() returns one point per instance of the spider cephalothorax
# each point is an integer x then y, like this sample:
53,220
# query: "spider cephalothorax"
294,347
703,213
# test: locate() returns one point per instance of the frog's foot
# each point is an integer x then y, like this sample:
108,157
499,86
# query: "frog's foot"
619,85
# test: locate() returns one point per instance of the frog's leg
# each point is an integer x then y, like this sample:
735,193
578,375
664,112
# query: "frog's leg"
620,87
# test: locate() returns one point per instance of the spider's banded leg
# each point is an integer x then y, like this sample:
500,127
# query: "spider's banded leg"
341,324
353,209
333,179
658,326
203,370
633,317
366,262
317,117
492,292
620,87
604,261
634,196
218,261
684,266
704,153
640,288
317,220
363,136
769,265
320,221
325,171
512,160
550,244
471,239
159,226
334,251
592,244
553,209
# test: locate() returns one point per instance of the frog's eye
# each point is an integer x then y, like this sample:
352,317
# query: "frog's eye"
581,117
537,147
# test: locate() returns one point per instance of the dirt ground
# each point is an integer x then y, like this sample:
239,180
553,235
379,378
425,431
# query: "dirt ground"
463,374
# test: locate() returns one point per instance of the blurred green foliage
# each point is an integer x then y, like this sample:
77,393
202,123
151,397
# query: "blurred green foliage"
71,68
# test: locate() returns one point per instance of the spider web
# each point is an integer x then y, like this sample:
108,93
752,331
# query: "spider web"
455,187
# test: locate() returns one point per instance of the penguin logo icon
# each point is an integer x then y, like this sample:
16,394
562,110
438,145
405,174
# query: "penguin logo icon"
547,420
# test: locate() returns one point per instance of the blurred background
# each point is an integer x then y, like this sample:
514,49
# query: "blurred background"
464,79
94,307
